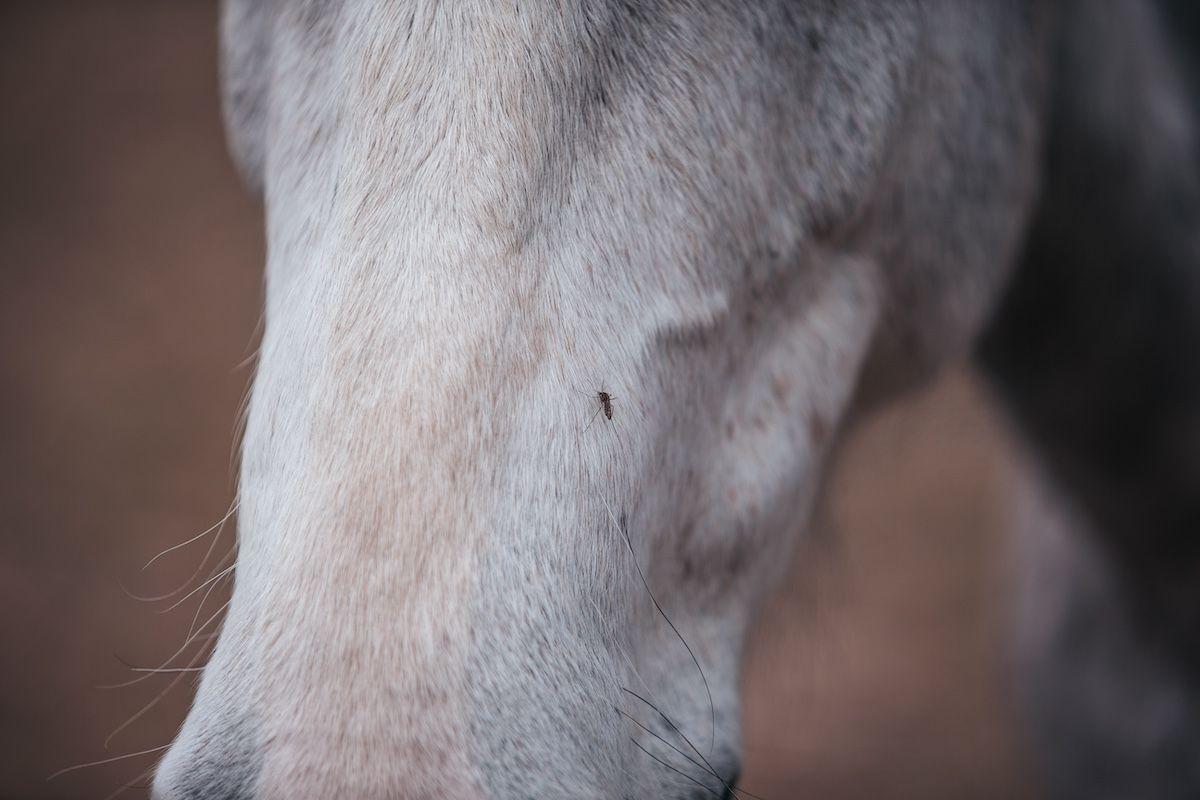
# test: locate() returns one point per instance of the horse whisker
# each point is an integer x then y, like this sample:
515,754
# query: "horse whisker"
192,627
216,577
199,568
673,769
157,670
675,728
711,707
705,767
174,655
215,526
103,761
155,701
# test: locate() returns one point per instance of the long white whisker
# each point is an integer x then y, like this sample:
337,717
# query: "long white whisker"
248,360
107,761
199,568
174,655
192,628
155,701
216,577
218,524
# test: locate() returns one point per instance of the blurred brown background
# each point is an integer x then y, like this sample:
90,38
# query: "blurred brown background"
129,293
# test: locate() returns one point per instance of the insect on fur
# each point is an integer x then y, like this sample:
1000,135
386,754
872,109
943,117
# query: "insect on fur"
606,405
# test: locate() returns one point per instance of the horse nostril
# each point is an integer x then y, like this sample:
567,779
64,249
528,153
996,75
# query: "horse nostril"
205,770
203,788
731,785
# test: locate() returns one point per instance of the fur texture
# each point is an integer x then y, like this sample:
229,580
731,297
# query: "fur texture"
739,219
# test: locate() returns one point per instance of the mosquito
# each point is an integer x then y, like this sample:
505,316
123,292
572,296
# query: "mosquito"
606,406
